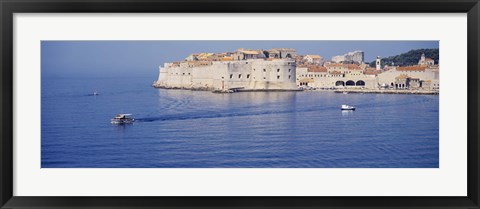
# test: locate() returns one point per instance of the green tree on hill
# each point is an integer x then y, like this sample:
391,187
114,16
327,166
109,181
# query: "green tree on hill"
409,58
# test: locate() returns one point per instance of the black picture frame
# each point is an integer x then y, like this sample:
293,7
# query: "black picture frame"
9,7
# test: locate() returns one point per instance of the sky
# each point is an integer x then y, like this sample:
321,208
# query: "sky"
142,58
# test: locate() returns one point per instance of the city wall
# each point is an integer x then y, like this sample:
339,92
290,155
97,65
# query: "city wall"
254,74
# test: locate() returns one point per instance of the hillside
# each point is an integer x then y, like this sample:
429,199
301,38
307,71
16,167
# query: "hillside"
409,58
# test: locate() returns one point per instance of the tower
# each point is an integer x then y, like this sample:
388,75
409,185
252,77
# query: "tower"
422,59
377,63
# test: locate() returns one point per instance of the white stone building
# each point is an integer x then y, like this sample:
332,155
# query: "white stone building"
428,74
248,73
335,76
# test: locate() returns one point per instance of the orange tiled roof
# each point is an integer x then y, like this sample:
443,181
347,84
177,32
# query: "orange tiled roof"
353,67
336,72
371,71
316,69
334,65
412,68
303,80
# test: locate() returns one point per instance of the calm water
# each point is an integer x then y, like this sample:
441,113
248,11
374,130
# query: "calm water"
193,129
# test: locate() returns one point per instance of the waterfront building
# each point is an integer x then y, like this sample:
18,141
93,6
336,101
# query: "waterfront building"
283,69
348,76
336,76
424,76
242,69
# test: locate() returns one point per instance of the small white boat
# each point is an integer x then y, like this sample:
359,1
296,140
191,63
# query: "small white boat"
345,92
123,119
95,93
348,107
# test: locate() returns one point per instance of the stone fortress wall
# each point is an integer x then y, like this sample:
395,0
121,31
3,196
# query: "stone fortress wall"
248,74
283,69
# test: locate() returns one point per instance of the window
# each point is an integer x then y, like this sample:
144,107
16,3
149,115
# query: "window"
289,70
278,77
264,78
278,70
188,73
289,76
264,70
231,76
248,75
183,73
239,75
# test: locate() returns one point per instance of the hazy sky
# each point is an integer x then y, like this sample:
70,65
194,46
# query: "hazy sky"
142,58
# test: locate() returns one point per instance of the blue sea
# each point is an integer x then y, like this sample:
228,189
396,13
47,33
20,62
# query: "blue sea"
200,129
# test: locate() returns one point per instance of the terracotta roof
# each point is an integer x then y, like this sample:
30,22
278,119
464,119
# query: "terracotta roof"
353,67
412,68
316,69
303,80
334,65
371,71
336,72
428,59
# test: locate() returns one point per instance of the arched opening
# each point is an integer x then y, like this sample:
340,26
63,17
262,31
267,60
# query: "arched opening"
340,83
391,84
350,83
360,83
289,56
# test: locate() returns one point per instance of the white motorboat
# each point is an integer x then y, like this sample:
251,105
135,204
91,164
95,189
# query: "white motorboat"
348,107
123,119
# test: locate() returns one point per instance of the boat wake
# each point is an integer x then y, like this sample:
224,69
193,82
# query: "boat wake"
210,115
